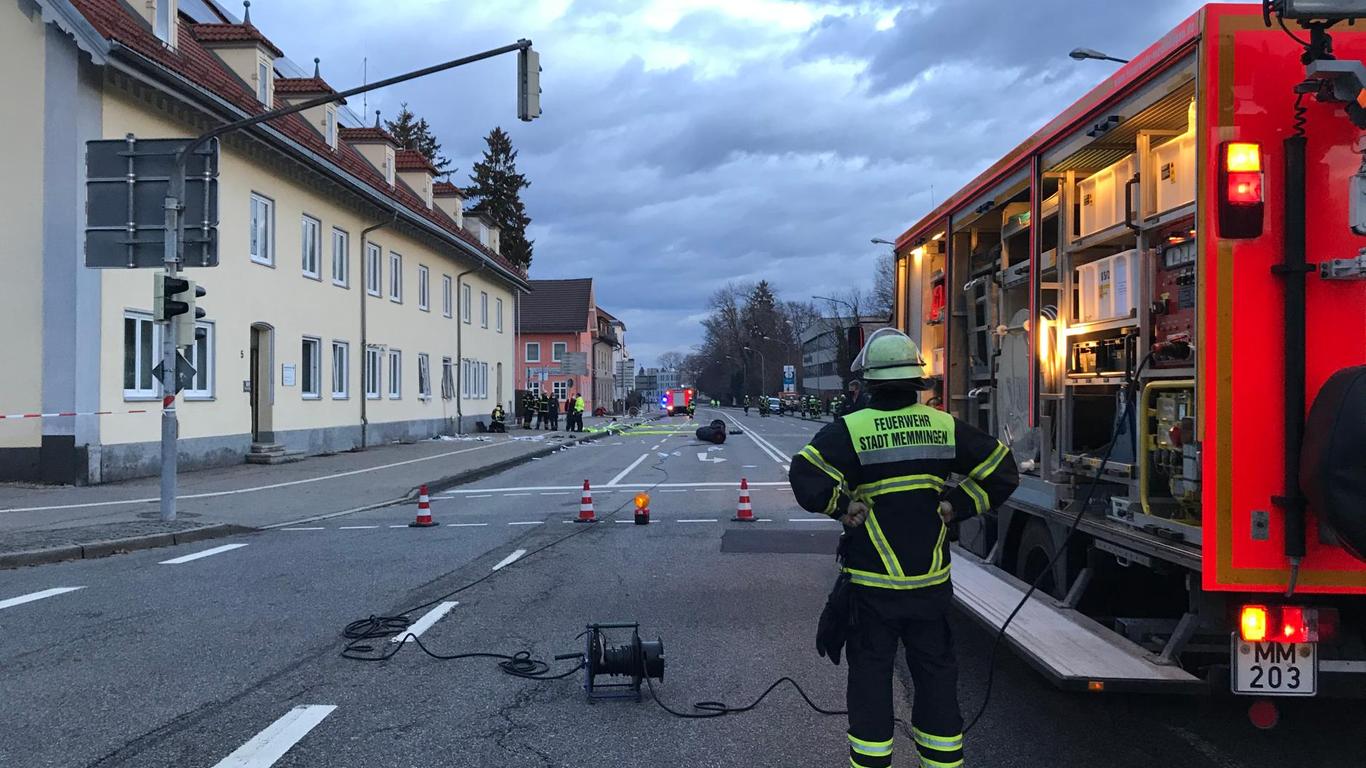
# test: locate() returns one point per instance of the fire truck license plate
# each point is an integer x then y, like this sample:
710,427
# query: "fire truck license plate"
1275,669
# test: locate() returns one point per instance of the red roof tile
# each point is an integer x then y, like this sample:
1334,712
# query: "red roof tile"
412,160
232,33
360,135
115,21
302,85
446,188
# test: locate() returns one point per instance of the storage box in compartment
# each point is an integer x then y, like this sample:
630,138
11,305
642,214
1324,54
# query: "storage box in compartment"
1102,196
1173,167
937,362
1107,289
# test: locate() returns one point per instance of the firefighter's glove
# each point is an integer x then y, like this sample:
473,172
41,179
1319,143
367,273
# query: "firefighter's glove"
946,512
832,630
855,515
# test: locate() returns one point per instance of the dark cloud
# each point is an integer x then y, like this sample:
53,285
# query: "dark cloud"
680,151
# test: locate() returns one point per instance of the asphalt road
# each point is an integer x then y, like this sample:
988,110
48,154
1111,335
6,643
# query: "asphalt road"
232,658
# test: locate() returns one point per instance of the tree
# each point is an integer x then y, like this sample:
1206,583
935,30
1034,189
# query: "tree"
671,361
884,286
412,132
496,189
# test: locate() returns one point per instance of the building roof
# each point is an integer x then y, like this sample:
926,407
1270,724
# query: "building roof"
557,306
412,160
367,135
121,25
609,317
228,33
301,85
446,188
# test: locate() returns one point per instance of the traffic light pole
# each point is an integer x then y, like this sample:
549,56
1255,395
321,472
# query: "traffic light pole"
528,108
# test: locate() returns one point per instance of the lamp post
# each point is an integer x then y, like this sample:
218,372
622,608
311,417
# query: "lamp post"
880,241
1082,54
763,368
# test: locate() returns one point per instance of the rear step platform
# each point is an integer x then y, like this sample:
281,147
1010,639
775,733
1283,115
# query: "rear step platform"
1074,651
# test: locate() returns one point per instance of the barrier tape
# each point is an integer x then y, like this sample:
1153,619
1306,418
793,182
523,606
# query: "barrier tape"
69,413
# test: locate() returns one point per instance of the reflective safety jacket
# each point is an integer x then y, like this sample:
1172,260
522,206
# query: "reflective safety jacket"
898,457
578,404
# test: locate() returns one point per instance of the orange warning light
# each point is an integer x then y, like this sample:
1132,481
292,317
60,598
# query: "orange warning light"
1254,622
642,500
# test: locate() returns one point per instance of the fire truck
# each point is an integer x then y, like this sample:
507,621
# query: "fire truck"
1157,302
674,401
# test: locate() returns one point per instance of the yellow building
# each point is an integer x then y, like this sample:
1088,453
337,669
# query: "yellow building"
354,303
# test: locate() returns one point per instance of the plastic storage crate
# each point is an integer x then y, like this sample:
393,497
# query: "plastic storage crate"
1102,196
1107,289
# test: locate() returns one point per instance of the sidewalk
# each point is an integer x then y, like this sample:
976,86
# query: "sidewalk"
49,523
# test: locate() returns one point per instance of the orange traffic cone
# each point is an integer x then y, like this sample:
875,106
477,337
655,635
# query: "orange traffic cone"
424,511
586,506
744,513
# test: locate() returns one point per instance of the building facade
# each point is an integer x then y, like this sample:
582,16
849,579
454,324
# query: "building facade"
560,319
351,306
827,354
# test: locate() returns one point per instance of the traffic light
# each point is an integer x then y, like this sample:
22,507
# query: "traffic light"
174,300
528,84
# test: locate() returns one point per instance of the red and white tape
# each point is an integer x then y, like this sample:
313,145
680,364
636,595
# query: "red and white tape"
68,413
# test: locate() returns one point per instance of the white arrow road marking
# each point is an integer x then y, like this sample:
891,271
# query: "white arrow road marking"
205,553
423,624
707,458
509,560
268,746
30,597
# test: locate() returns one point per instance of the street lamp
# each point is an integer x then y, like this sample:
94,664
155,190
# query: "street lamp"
1082,54
880,241
763,367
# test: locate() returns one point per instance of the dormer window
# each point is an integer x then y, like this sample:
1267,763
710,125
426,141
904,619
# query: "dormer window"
389,165
263,72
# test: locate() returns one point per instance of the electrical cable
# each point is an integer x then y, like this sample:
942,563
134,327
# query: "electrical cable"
1120,428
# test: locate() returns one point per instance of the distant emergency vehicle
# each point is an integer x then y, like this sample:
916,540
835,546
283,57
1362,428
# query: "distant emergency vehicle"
677,400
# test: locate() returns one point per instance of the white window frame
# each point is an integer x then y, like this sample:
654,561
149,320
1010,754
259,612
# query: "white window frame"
203,368
330,126
483,381
341,257
374,364
498,314
465,375
446,295
311,239
374,269
424,288
162,21
483,309
395,277
559,389
424,376
341,370
311,368
142,363
558,349
465,303
537,358
447,379
395,374
262,222
263,75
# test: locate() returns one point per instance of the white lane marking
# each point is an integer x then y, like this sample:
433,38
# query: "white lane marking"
205,553
528,522
460,525
618,522
707,520
675,490
509,560
516,494
555,493
423,624
268,746
787,467
307,528
30,597
709,490
655,447
485,496
763,519
254,489
627,471
356,527
751,466
722,483
400,525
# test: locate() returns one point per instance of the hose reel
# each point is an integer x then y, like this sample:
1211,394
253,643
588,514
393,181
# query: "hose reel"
629,662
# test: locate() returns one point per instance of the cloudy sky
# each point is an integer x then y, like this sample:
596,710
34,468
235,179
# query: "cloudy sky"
686,143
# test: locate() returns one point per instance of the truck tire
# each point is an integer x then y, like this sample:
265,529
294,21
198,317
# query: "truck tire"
1035,552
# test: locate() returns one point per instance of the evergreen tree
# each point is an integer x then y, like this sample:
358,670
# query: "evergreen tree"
413,132
496,188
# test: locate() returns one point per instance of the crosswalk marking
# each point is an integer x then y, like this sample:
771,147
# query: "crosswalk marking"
30,597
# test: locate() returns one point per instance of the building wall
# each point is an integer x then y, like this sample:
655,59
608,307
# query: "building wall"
574,342
22,50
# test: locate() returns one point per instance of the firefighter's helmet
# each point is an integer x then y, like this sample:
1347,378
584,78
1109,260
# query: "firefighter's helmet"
889,355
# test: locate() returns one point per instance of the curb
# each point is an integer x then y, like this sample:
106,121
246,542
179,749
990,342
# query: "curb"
108,547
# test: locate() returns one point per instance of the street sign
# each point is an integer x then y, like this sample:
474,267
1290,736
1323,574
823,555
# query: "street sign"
184,373
126,182
789,378
574,364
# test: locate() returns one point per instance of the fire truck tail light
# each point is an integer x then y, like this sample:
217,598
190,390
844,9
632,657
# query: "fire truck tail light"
1253,623
1241,156
1245,188
1294,625
1241,193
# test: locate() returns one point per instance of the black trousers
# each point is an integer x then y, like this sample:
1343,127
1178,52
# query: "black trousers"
918,619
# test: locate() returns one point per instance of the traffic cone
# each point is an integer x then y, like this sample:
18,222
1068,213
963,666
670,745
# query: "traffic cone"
744,513
424,511
586,506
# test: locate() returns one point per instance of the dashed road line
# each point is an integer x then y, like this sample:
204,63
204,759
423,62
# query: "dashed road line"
527,522
463,525
811,520
423,624
697,520
309,528
30,597
356,527
518,494
268,746
509,560
205,553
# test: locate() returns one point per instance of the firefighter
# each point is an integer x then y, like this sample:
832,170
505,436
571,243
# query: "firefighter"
579,405
528,408
553,413
543,411
497,418
882,471
692,407
746,405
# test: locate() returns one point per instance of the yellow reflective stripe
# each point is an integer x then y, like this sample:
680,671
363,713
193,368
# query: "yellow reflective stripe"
992,461
870,748
883,547
883,581
938,558
817,460
941,743
977,494
899,483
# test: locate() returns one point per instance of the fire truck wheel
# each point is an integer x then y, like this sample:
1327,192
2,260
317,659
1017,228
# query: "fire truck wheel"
1036,550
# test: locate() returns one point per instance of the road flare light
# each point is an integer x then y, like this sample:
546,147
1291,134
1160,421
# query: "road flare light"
642,508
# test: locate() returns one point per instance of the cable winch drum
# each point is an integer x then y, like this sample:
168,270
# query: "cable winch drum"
635,659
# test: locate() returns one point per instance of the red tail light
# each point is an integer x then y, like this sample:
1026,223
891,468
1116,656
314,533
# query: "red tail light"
1241,193
1286,623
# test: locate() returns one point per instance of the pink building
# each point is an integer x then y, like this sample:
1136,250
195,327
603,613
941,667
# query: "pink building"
561,318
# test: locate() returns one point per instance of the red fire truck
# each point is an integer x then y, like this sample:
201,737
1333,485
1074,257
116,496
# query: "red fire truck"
1157,301
676,400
